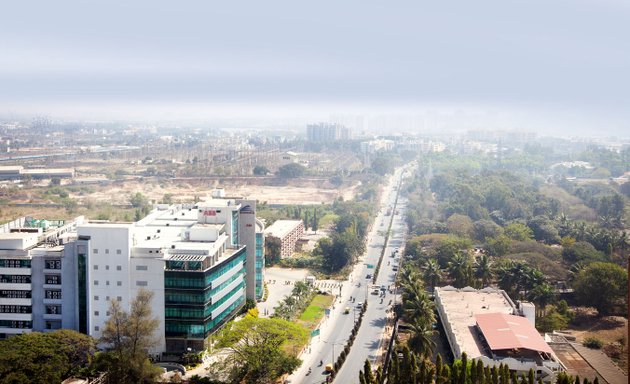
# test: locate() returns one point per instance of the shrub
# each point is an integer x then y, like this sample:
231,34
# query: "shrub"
593,343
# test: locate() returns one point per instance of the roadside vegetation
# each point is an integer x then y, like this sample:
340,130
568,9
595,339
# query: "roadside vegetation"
559,244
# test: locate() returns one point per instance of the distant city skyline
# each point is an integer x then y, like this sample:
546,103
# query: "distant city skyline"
548,67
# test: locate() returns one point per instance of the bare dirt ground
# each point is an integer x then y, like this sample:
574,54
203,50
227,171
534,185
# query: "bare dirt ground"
309,193
611,330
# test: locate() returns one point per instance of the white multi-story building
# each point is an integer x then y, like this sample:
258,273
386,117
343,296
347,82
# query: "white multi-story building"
286,233
37,276
193,258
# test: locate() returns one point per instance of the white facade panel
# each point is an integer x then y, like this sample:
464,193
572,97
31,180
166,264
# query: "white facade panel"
226,276
15,287
227,303
227,289
16,316
15,271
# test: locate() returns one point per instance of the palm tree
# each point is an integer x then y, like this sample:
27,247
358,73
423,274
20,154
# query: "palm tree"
421,338
575,270
483,270
419,309
459,269
508,277
408,276
432,273
542,295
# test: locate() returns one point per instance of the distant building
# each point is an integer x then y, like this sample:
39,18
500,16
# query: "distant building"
18,173
488,326
286,233
326,132
37,276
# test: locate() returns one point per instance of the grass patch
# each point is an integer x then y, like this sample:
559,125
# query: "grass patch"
315,311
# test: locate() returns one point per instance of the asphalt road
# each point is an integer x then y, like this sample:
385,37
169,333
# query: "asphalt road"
370,341
335,329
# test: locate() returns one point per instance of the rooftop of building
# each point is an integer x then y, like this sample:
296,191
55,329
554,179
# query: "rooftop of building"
503,331
462,305
175,230
281,228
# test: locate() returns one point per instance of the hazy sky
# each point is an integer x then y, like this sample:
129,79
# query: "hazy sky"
553,58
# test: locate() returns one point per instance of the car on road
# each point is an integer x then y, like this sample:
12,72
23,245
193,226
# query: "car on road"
346,310
368,276
376,291
360,306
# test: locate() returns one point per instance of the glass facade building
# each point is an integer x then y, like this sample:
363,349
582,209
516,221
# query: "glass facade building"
198,300
260,264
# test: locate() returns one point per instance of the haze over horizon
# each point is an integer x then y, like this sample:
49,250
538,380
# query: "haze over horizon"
549,67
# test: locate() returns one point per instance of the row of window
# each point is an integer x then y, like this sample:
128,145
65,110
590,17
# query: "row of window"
53,279
16,324
97,298
53,264
118,267
12,263
12,294
95,251
15,279
53,309
15,309
118,283
200,313
54,294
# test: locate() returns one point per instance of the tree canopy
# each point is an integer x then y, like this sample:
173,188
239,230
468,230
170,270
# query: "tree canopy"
261,350
45,357
291,171
601,285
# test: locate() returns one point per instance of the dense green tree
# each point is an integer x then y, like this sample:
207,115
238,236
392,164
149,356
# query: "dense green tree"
460,269
421,337
382,165
519,232
432,273
498,246
601,285
339,250
486,228
449,246
542,295
258,349
544,230
138,200
272,251
417,306
291,171
483,270
552,321
517,278
581,251
45,357
261,170
460,225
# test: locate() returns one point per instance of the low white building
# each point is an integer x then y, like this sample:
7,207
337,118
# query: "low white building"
489,326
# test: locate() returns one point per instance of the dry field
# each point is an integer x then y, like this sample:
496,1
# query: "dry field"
308,193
